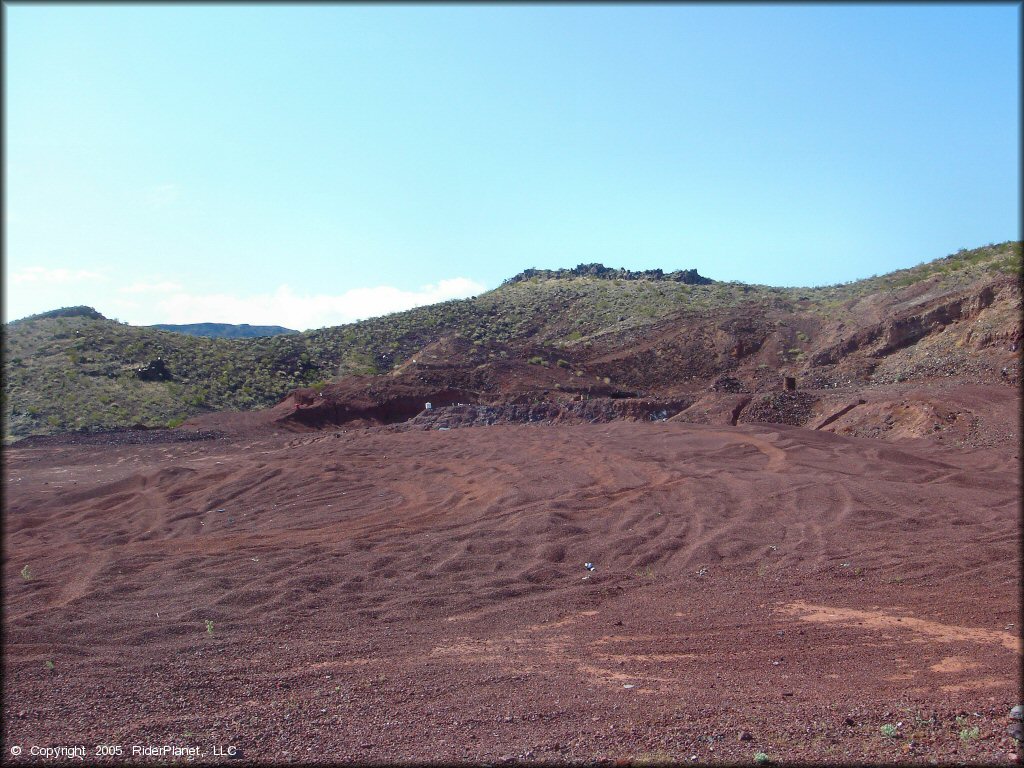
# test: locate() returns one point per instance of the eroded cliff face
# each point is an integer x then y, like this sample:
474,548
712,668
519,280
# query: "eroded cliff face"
908,327
887,333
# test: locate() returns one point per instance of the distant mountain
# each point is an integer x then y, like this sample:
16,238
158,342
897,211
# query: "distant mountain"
225,330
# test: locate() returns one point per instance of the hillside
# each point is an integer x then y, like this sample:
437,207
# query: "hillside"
641,521
541,337
225,330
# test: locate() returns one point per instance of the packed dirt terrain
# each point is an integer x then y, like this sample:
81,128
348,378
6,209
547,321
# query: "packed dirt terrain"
744,534
420,594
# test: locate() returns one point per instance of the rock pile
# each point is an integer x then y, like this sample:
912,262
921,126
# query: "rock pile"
780,408
596,411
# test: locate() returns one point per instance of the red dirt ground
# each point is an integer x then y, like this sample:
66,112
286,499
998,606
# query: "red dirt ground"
406,596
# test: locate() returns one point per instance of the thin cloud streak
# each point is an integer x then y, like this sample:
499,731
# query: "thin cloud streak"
162,195
57,275
308,311
163,286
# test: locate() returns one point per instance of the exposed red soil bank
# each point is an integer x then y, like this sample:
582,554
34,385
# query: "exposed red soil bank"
421,596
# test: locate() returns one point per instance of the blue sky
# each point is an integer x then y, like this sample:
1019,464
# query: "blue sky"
308,165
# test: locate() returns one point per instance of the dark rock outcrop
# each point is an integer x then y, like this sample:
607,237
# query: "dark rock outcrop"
687,276
154,370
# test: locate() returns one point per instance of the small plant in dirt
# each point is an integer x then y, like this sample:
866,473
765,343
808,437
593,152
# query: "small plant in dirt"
26,573
50,666
646,574
968,735
657,757
889,731
760,758
209,627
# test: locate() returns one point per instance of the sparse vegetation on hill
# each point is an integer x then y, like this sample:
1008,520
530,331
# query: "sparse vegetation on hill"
72,368
79,311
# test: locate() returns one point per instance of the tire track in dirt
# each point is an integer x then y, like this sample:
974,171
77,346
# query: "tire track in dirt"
81,582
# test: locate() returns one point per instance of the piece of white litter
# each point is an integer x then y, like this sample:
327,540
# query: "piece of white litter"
629,685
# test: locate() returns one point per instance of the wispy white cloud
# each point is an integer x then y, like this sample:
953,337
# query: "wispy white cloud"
159,286
154,298
305,311
162,195
54,275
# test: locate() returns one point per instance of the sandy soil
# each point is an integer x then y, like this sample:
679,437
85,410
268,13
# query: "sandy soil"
421,596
